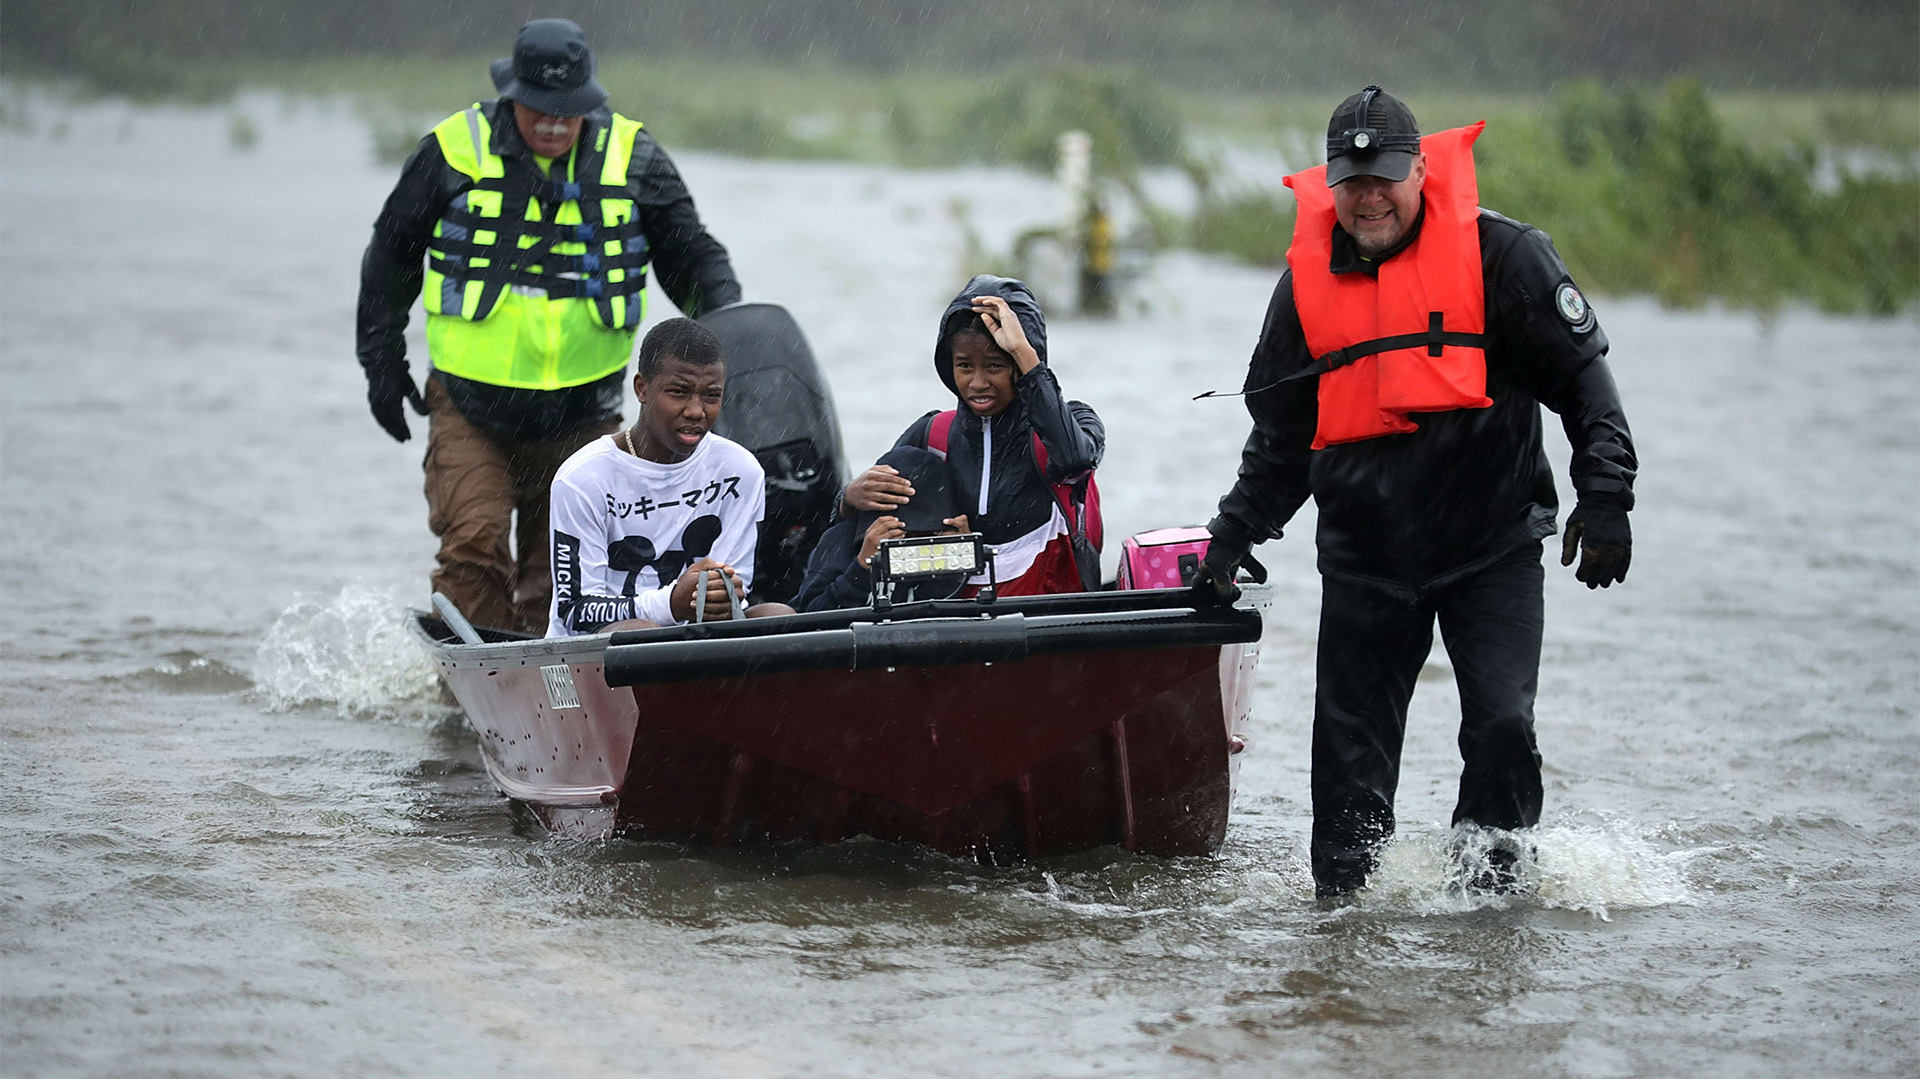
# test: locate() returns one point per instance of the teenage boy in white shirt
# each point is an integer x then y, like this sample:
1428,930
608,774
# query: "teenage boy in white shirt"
638,514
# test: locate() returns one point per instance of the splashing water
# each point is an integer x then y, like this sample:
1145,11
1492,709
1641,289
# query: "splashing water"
1593,866
353,651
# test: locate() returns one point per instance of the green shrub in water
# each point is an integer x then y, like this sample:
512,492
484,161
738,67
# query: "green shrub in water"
1641,192
108,65
1654,196
1254,228
1658,197
1019,120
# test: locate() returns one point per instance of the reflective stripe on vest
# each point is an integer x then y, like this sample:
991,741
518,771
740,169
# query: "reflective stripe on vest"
535,281
1411,337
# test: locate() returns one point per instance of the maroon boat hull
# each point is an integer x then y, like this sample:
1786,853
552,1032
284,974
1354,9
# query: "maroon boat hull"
992,760
1037,727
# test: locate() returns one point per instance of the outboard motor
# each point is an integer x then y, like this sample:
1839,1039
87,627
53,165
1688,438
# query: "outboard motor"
778,406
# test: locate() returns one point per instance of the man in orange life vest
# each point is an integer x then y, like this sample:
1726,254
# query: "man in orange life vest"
1398,382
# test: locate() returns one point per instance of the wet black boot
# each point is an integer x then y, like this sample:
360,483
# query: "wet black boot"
1492,863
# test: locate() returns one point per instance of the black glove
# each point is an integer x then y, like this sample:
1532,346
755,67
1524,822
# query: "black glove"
389,384
1605,542
1213,585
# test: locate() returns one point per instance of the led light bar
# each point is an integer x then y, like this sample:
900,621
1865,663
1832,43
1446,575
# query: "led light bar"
919,558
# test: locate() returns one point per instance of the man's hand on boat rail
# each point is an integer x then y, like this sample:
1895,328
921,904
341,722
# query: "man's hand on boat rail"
880,488
1213,586
717,606
1213,583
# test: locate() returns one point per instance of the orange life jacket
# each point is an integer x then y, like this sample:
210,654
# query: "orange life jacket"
1410,338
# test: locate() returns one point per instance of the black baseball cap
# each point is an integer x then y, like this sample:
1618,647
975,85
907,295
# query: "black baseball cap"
1372,133
551,70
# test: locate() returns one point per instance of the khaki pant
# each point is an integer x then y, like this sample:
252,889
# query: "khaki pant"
493,567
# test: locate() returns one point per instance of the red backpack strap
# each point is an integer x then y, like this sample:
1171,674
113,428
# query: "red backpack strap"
1096,527
1062,492
1079,502
938,430
1073,499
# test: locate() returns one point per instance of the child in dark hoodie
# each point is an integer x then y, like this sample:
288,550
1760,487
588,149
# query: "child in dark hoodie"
992,354
837,573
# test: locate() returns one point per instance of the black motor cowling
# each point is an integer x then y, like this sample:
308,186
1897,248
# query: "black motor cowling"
779,406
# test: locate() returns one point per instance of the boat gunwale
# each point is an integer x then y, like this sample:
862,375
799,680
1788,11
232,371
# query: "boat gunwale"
1136,600
525,652
1053,610
927,643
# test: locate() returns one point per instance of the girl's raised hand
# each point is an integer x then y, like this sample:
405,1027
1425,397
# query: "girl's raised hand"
1007,331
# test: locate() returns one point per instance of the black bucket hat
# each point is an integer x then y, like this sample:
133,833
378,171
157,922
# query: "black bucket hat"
551,70
1372,133
932,501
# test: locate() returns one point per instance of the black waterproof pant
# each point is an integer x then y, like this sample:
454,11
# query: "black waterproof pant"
1372,646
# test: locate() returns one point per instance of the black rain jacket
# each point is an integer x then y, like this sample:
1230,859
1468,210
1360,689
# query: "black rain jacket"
835,579
1018,499
687,262
1412,512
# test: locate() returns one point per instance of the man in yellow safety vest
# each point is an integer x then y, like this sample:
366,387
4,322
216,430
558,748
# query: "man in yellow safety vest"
537,215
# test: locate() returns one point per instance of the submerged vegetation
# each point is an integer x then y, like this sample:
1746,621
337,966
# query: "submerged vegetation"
1752,200
1221,48
1658,192
807,111
1654,193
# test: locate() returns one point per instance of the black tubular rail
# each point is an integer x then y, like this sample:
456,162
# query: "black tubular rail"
939,633
1072,603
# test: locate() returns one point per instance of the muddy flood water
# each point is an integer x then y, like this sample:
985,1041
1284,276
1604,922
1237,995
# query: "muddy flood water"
245,837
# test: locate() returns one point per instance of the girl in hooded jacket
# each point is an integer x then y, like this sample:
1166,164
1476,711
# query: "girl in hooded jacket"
1009,443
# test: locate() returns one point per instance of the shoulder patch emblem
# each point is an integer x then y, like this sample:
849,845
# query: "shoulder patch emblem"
1573,306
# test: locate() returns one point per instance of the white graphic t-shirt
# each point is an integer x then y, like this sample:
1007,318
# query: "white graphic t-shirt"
624,529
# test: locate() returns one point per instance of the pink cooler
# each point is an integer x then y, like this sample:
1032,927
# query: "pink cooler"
1163,558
